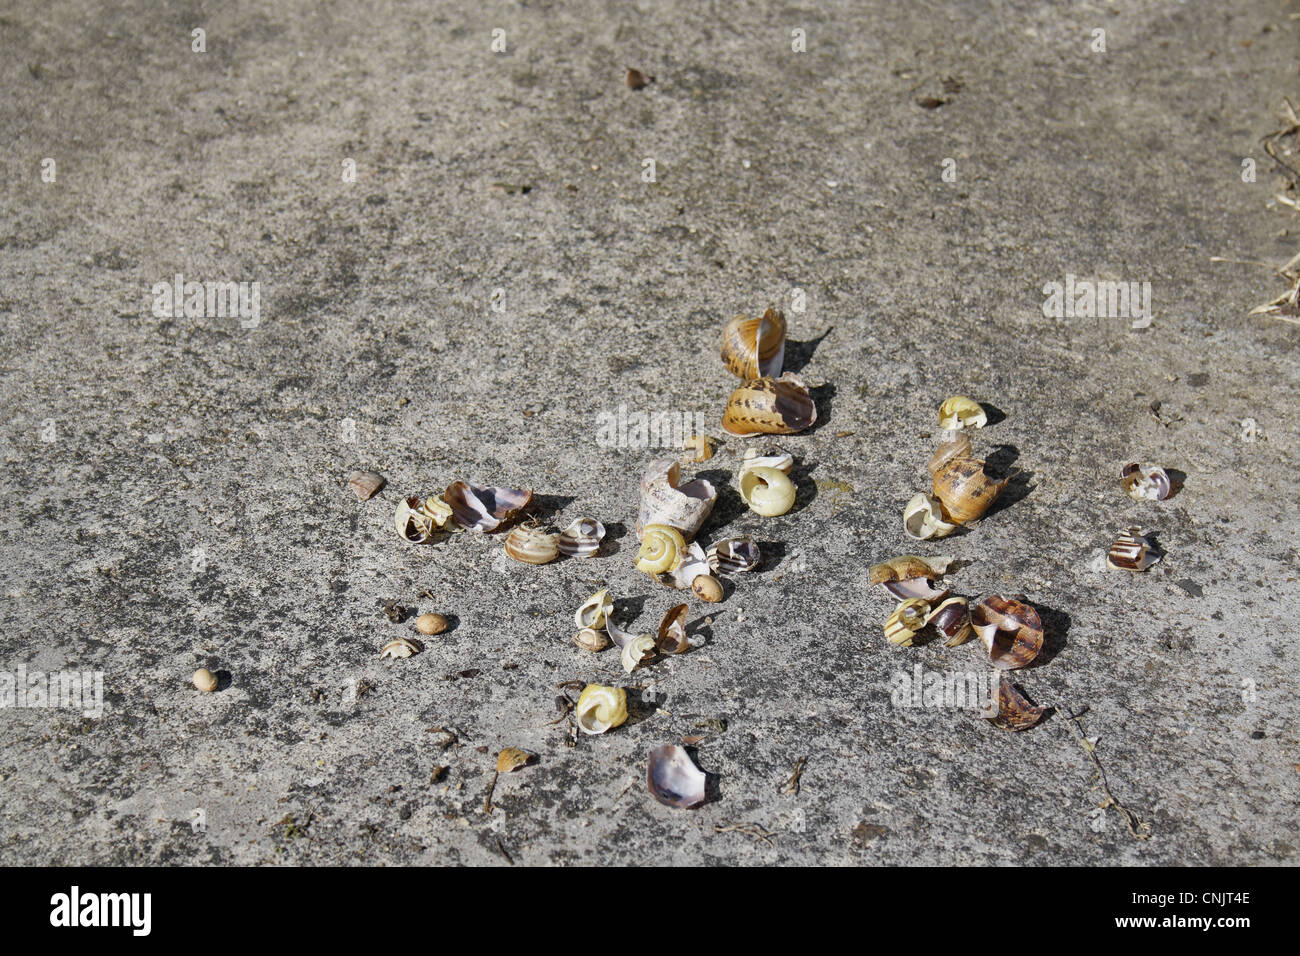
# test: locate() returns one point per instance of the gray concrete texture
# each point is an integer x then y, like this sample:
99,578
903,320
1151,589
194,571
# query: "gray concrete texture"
174,488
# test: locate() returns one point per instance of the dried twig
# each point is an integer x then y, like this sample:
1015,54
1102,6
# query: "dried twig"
792,784
1136,826
754,830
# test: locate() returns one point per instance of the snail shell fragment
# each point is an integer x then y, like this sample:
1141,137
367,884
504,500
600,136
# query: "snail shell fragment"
691,565
908,618
955,448
1146,483
590,639
1013,711
772,406
1010,630
753,348
910,576
767,491
401,647
673,778
581,539
595,610
484,508
707,588
951,620
417,520
923,518
666,502
531,546
601,708
772,458
960,412
1130,552
672,631
733,555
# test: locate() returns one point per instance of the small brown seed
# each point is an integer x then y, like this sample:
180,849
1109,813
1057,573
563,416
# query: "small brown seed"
205,680
707,588
431,624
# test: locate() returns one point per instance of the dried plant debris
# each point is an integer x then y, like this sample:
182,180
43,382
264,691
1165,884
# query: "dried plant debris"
365,484
1014,712
673,778
1137,827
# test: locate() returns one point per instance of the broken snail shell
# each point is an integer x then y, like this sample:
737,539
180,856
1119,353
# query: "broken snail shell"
954,448
666,502
672,631
960,412
595,610
401,647
908,618
636,650
600,708
1013,711
661,549
484,508
592,640
964,490
952,620
910,576
772,458
770,406
205,680
1010,630
690,567
418,519
752,348
1130,552
673,778
707,588
531,546
1146,483
581,539
923,518
768,492
733,555
700,448
366,484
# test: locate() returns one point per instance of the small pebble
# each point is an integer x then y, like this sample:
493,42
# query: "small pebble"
205,680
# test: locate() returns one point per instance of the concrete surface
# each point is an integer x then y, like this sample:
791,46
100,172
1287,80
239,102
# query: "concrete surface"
174,487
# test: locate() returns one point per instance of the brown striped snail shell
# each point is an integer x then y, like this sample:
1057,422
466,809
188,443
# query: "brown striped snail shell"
532,546
909,576
772,406
951,620
666,501
1130,552
964,490
1013,711
955,448
484,508
581,539
1010,630
753,348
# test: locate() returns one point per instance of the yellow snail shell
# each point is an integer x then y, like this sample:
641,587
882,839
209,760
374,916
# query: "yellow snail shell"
960,412
780,406
600,708
768,492
661,549
753,348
